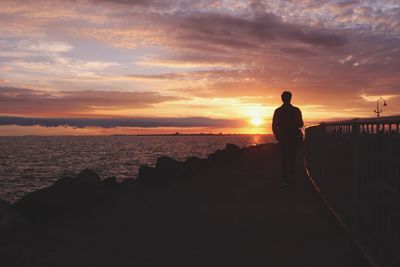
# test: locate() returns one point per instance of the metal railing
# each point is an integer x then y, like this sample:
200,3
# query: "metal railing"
356,166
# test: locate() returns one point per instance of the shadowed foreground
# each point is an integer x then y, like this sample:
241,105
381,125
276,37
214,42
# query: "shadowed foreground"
227,210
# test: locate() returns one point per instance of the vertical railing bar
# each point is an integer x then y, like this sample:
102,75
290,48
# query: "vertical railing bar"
355,174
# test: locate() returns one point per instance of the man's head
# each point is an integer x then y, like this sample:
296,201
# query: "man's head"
286,97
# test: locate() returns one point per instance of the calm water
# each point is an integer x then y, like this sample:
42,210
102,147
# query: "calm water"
32,162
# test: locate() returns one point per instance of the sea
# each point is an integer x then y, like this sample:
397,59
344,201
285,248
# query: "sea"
28,163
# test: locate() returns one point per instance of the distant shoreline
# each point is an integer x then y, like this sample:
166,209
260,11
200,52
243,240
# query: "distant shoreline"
111,135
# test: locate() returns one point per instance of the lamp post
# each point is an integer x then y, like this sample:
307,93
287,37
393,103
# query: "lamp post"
378,110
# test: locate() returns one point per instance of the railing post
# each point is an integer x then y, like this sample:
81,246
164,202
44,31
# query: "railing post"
322,154
355,173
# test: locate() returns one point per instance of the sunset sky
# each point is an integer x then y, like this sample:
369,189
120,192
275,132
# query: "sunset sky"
161,66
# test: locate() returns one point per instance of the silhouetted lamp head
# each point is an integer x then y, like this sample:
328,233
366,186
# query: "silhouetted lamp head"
286,97
384,103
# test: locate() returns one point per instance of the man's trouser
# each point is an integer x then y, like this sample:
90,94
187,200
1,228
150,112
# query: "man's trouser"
288,160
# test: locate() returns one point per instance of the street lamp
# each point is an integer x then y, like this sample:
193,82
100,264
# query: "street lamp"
378,110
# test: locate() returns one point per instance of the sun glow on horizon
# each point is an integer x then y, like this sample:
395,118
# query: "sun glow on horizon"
256,121
257,115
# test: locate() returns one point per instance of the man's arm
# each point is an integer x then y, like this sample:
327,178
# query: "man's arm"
275,126
299,119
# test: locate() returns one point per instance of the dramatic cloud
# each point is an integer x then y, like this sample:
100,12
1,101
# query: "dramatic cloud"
27,101
231,31
137,3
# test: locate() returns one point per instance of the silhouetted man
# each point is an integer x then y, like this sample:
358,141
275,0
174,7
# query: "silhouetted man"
286,125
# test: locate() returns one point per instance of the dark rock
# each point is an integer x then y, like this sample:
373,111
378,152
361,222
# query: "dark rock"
220,157
193,164
110,182
232,148
128,182
167,166
10,218
262,154
214,157
261,151
146,172
67,195
88,176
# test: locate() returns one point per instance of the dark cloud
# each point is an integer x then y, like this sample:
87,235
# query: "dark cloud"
137,3
232,31
261,42
28,101
301,52
347,3
121,122
128,2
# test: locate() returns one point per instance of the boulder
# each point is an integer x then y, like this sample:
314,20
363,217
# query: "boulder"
128,182
261,155
193,164
110,182
261,151
167,166
67,195
146,173
88,176
232,148
10,218
230,153
215,157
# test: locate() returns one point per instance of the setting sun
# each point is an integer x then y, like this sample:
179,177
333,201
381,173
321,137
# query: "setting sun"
256,121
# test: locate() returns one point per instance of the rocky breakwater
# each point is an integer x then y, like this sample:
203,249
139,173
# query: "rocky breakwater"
71,196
